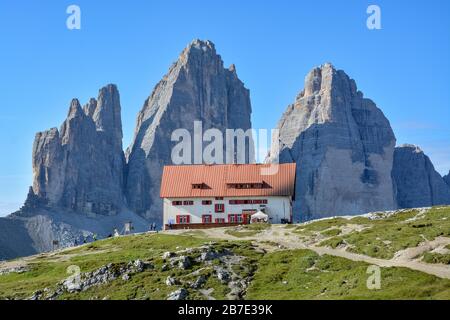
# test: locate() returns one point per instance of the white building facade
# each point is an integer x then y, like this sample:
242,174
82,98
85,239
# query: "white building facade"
226,210
204,196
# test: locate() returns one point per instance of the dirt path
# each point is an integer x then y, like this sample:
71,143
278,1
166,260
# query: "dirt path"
286,239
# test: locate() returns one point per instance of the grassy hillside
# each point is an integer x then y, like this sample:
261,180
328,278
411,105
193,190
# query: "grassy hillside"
252,262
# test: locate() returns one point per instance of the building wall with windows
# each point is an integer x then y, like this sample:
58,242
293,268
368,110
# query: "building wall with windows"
225,210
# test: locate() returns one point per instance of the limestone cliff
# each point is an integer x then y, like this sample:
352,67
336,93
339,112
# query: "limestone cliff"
417,183
343,146
196,88
81,166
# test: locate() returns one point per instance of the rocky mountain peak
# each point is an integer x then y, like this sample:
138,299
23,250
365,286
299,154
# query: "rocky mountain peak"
343,146
89,108
200,45
197,87
232,69
411,147
75,109
81,166
107,114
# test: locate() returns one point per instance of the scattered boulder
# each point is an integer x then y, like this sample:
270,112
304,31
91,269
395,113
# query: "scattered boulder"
167,255
223,275
180,294
236,290
184,262
208,255
170,281
84,281
19,269
138,265
201,280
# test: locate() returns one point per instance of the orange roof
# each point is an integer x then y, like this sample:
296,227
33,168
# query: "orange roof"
177,181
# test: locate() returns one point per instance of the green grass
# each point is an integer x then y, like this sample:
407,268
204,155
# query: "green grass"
149,284
430,257
322,225
331,232
288,274
248,230
302,274
384,237
46,272
241,234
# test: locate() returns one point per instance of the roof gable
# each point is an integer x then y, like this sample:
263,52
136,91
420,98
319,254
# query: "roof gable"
221,180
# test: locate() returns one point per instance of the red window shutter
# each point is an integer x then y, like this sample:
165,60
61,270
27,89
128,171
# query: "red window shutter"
188,219
178,219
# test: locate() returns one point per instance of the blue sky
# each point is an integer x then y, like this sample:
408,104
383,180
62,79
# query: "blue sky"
404,67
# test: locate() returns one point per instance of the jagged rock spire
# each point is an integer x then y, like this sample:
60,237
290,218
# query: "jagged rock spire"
196,88
81,166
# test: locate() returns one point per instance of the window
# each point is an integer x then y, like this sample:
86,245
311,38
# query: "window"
177,203
200,186
220,220
260,185
256,201
260,201
219,198
206,218
235,218
219,207
183,219
188,203
206,202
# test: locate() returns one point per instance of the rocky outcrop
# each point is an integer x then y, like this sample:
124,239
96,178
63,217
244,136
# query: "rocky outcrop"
196,88
81,166
83,281
417,183
343,146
